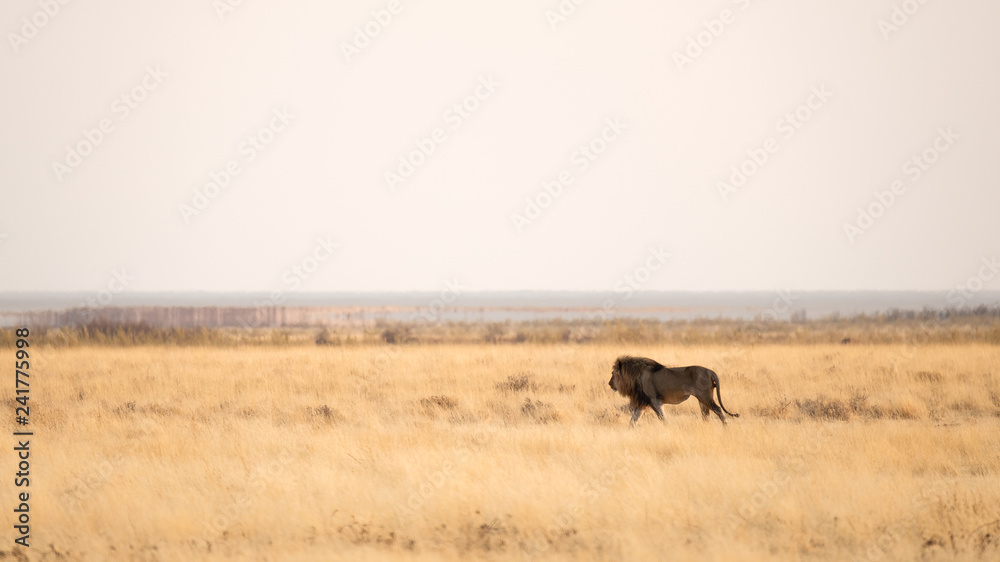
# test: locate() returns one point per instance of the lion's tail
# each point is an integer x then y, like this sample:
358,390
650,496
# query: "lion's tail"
718,394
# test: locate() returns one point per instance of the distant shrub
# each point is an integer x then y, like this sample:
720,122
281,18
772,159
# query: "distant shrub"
441,402
518,383
494,333
326,337
539,411
397,334
927,376
326,415
822,407
778,410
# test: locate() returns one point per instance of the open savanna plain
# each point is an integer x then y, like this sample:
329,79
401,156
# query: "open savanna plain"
498,452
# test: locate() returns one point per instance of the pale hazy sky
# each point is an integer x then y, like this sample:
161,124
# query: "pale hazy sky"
181,86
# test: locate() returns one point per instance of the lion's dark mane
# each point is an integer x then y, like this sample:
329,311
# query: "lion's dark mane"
631,369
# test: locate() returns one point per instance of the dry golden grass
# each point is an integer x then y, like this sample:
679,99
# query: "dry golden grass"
511,452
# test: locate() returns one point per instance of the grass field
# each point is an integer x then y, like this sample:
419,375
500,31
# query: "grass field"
427,452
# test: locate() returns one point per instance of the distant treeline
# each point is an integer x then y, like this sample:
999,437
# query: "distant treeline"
980,325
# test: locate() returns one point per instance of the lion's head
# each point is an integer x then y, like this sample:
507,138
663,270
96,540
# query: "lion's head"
615,374
625,375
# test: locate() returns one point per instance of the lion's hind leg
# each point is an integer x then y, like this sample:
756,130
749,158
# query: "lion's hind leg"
710,405
704,410
718,412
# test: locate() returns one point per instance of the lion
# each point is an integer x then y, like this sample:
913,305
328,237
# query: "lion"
647,383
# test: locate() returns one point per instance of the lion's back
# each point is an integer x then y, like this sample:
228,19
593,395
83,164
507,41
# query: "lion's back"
667,379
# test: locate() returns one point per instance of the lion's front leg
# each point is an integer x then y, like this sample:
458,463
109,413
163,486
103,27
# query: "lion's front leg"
636,412
656,404
649,389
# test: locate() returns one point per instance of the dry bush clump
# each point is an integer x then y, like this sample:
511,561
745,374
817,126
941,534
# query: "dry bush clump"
523,382
442,402
858,402
539,411
368,534
890,407
823,407
397,334
777,410
462,417
249,412
131,408
433,405
328,337
494,333
927,376
858,406
126,409
326,415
